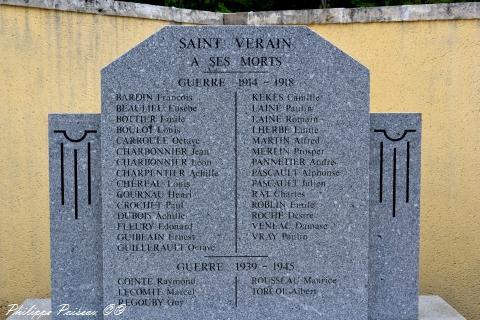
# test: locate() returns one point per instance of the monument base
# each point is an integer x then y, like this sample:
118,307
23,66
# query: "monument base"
430,308
435,308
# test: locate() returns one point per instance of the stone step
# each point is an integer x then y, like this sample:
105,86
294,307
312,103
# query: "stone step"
430,308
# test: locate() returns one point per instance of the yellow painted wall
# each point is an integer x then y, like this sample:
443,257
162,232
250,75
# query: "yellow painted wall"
50,61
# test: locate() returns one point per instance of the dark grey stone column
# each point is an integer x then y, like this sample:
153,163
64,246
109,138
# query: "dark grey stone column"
394,215
75,214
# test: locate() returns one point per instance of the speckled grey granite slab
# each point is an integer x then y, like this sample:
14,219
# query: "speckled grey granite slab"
394,215
75,213
235,177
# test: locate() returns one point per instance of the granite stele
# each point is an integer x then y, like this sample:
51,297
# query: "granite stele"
235,184
235,177
75,214
394,215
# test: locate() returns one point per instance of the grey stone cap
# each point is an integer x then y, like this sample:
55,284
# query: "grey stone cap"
123,9
444,11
